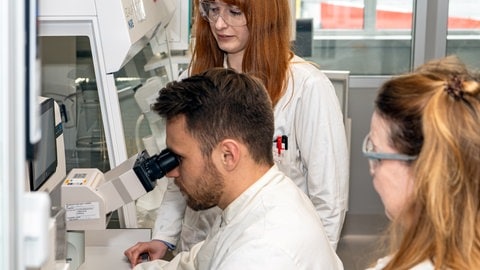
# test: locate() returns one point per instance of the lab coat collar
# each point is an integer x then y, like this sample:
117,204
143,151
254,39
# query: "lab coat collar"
235,209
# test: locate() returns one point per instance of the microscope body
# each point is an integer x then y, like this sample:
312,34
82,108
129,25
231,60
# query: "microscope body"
89,195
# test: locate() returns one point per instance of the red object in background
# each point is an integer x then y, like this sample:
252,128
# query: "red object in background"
347,18
341,17
393,20
460,23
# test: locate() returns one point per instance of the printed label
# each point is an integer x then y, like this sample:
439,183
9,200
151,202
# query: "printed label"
82,211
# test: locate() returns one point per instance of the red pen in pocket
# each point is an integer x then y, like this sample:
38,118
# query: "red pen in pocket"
282,143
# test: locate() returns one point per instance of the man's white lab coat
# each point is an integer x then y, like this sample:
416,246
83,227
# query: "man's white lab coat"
272,225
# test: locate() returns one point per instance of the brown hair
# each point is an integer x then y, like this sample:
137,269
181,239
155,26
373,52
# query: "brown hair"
434,113
221,103
268,51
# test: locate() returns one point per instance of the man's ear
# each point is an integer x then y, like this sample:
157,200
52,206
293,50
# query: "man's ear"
230,154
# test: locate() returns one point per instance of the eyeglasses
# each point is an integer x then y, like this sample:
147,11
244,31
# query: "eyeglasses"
231,15
375,157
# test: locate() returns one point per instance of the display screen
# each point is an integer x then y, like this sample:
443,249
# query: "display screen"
44,163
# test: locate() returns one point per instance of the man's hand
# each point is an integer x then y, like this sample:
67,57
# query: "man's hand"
155,249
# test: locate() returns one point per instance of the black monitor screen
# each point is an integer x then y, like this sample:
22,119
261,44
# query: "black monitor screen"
44,163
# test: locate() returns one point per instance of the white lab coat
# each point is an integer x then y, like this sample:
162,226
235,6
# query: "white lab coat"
317,159
272,225
381,263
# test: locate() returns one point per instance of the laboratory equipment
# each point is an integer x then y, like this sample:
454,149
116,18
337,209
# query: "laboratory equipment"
145,96
94,39
89,195
171,48
63,214
44,163
47,170
83,44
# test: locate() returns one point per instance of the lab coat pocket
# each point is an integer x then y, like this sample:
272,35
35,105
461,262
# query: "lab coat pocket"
281,153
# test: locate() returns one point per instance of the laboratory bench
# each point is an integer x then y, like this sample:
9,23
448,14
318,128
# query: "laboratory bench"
104,248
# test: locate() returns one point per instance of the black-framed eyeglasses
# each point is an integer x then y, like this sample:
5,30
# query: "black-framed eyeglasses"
231,15
375,157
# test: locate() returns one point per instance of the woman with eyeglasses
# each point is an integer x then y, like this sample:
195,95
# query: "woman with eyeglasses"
310,146
424,155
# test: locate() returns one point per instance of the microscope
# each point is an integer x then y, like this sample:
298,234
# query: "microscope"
89,195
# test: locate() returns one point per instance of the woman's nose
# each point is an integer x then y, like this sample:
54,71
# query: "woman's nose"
220,23
371,168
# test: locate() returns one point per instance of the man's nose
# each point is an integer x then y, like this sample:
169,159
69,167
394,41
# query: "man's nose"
173,173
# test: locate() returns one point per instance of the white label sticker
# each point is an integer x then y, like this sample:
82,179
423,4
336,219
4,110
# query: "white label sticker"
82,211
77,179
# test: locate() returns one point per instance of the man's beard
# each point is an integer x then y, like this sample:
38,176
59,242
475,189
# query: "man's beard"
208,191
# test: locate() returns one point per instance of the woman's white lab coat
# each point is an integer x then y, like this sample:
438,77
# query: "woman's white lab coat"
317,159
381,263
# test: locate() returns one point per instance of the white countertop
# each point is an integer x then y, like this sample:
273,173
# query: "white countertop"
104,248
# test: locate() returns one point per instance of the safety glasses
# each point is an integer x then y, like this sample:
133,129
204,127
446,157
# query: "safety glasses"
231,15
375,157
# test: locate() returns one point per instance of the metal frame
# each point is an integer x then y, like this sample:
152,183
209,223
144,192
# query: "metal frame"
341,82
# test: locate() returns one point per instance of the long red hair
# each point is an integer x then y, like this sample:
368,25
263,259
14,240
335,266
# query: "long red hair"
268,50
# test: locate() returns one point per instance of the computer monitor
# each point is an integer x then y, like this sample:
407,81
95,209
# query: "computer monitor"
47,169
45,161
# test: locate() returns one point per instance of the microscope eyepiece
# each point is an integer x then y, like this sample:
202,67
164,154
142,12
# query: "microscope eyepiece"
149,169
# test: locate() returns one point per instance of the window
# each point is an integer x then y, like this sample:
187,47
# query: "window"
464,30
68,77
365,37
